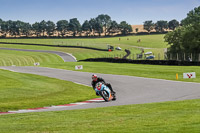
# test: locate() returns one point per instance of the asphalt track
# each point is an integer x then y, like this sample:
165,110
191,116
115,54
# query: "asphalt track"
129,89
65,56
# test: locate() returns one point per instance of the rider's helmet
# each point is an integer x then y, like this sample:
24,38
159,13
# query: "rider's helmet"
94,77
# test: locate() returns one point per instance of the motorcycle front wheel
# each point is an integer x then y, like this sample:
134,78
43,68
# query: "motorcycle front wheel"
105,95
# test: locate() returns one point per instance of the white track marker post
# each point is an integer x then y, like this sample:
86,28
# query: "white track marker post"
36,64
189,75
80,67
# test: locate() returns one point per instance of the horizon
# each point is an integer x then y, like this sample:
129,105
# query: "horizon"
132,11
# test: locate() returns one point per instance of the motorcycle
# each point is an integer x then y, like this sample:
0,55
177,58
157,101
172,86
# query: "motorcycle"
104,91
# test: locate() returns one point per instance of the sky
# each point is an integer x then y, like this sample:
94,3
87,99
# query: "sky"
133,12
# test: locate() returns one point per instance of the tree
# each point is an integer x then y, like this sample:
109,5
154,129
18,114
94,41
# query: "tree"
5,28
101,24
186,38
174,40
173,24
18,28
1,21
25,29
36,28
86,27
98,28
161,25
50,27
136,30
92,23
193,17
14,27
62,27
114,28
125,28
104,21
43,27
148,25
74,26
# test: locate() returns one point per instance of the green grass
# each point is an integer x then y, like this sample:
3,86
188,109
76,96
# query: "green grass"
21,91
150,41
82,54
155,42
19,58
139,70
53,61
167,117
79,53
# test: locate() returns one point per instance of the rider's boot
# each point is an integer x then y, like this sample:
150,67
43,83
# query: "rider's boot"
113,94
97,94
114,98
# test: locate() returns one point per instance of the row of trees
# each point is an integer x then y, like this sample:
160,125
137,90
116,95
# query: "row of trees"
186,38
102,24
161,26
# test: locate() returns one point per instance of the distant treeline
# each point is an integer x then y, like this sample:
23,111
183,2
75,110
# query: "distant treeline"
161,26
102,25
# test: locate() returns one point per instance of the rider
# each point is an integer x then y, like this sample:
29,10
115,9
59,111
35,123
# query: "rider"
96,79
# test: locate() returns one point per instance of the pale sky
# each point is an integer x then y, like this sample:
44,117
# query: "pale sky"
132,11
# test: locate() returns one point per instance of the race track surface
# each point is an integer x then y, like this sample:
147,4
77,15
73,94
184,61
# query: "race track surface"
129,89
65,56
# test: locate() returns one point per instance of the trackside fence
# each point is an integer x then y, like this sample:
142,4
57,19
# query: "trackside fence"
169,56
180,59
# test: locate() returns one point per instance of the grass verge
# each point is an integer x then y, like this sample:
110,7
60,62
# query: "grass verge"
21,91
167,117
139,70
20,58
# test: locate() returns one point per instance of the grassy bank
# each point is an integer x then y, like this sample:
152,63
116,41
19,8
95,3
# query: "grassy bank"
21,91
167,117
19,58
